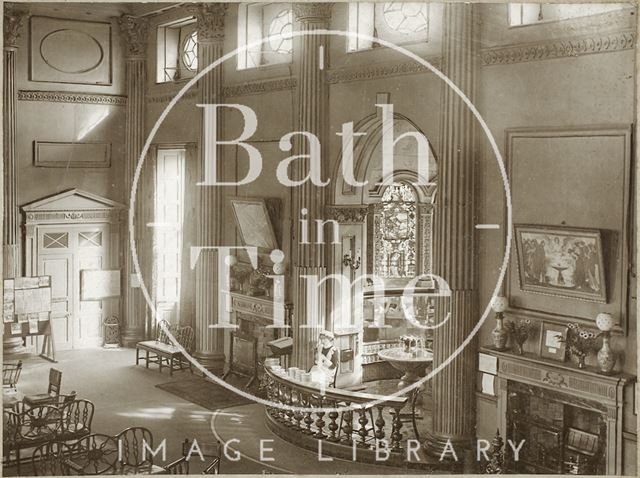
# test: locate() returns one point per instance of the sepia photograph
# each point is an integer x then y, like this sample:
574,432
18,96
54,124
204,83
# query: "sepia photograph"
310,238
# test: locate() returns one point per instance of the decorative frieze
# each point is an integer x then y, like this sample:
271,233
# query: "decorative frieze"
562,48
375,72
57,217
356,214
67,97
166,98
258,87
210,19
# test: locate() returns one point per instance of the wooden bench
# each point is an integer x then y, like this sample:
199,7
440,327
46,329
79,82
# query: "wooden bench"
163,352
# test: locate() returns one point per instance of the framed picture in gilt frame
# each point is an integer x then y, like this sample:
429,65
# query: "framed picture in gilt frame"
561,261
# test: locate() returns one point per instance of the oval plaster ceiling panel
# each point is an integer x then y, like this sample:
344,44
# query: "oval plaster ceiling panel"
71,51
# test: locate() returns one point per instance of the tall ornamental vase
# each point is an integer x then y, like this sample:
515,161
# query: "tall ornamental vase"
606,357
499,333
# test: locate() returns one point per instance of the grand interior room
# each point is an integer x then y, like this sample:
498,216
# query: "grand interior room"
302,238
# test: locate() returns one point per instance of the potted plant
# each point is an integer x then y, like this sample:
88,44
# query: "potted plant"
580,342
519,332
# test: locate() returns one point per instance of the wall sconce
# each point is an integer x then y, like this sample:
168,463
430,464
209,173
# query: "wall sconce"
349,261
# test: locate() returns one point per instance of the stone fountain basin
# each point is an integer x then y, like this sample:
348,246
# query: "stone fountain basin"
406,361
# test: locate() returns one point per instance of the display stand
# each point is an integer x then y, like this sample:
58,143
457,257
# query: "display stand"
27,311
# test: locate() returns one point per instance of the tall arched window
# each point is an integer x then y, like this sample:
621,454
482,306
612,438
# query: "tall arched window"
395,233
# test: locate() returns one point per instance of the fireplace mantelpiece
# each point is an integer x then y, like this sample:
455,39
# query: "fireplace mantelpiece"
253,315
577,384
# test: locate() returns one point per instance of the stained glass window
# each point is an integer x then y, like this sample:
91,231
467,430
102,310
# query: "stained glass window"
395,237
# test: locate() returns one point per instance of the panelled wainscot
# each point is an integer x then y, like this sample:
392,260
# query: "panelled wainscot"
571,419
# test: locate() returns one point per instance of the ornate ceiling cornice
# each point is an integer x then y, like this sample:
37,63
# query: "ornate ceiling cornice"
561,48
68,97
372,72
210,20
312,12
135,31
13,21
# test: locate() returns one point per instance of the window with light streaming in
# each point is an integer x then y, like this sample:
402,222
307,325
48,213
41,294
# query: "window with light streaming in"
169,205
395,233
176,51
396,22
260,20
190,52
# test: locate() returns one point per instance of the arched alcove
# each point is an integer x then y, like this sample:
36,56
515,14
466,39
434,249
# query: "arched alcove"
367,167
371,229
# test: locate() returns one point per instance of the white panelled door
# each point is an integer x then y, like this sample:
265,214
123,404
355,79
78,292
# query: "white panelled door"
63,252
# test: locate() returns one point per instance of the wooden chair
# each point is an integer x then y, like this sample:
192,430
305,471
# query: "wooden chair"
186,337
50,459
53,391
94,454
134,444
76,419
10,421
213,451
35,426
11,374
163,352
178,467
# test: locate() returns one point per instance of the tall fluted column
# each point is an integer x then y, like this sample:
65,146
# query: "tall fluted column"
309,317
209,342
135,33
11,260
454,386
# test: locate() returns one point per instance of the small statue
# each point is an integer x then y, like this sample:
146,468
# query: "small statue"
326,359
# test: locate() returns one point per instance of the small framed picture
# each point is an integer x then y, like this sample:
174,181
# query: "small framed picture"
553,341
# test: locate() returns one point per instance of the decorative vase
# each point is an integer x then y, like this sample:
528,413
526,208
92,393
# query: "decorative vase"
517,348
499,334
606,357
581,361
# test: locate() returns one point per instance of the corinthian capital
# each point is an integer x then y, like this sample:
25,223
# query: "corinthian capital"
312,12
210,20
135,32
13,21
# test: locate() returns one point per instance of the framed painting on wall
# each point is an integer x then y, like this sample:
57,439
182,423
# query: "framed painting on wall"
561,261
254,223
